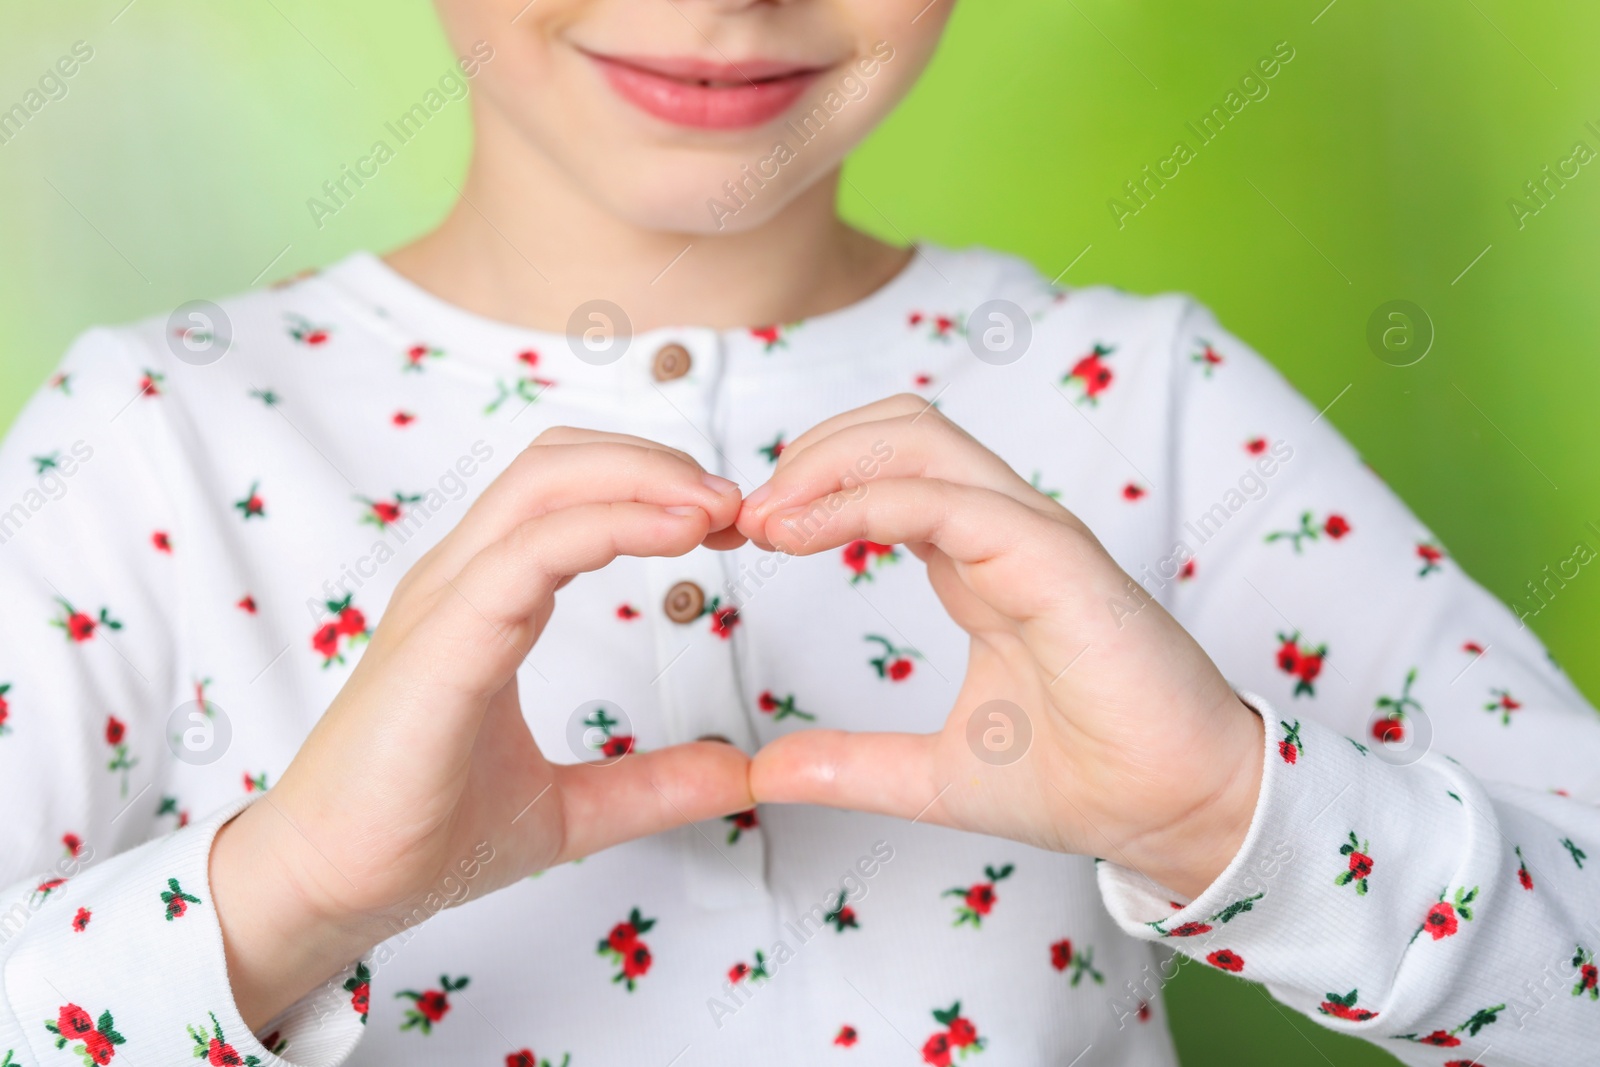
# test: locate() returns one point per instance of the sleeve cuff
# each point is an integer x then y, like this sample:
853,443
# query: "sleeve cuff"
1343,863
127,958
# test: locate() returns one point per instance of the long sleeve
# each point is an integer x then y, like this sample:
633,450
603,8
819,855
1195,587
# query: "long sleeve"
110,948
1425,855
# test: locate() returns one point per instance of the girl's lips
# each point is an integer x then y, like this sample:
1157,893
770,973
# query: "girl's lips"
711,96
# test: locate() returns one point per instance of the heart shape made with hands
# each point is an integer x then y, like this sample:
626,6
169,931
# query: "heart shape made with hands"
1078,728
1138,750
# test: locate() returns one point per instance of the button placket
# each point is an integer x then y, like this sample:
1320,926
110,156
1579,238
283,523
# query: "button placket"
697,680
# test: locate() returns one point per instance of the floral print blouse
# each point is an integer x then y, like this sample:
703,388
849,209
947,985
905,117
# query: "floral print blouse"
202,519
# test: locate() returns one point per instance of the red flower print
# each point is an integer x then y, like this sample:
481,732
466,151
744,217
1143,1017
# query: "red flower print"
402,419
525,1058
1208,358
1432,556
1441,1038
772,451
914,319
979,899
1290,747
1473,648
96,1038
959,1035
1302,661
922,381
72,842
1360,865
80,921
842,917
782,709
774,336
860,555
1226,960
1187,572
359,986
608,744
1189,929
150,384
247,604
80,627
349,628
209,1045
176,900
431,1005
1344,1007
1144,1011
723,620
382,513
1588,974
1062,956
739,822
305,333
121,761
5,708
416,354
741,971
1091,375
1503,702
1388,730
161,541
627,612
1334,527
962,1033
1524,878
624,947
1446,917
255,783
1131,492
115,730
1256,446
895,663
252,506
1389,727
846,1036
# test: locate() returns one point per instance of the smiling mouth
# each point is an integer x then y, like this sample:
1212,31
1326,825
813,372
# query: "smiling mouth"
691,92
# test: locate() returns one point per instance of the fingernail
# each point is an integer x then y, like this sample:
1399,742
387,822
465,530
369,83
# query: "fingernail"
683,509
761,493
720,486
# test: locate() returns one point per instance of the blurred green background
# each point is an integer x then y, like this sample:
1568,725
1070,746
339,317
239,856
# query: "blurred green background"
1379,168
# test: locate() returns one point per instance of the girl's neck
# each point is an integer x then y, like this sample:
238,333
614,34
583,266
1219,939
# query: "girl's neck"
523,246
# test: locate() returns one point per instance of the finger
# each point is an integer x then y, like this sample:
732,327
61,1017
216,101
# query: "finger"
881,773
578,435
899,447
901,405
646,793
483,622
555,476
968,523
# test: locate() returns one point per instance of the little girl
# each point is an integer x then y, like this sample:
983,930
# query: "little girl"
935,649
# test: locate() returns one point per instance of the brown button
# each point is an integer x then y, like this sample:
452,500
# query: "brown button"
672,361
685,602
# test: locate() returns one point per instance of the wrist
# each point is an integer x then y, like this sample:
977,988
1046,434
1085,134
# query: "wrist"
280,940
1190,853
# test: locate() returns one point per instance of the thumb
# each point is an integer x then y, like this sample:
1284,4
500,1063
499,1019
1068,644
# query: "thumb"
881,773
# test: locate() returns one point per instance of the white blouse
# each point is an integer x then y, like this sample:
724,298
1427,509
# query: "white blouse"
202,519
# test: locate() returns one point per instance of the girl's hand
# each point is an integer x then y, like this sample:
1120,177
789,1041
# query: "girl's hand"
1140,752
424,759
